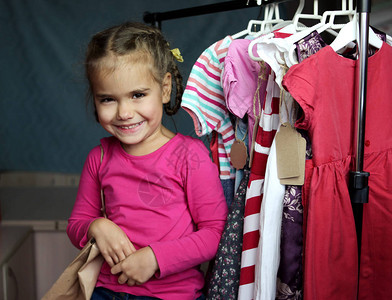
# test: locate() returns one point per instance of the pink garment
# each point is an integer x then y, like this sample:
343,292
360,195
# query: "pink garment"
239,82
171,200
325,86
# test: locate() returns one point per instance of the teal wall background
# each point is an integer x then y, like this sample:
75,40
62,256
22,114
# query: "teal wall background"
45,125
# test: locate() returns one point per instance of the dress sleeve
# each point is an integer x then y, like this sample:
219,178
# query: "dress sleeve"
208,209
298,81
87,206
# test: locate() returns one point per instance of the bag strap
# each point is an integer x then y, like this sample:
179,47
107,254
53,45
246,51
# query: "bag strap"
103,207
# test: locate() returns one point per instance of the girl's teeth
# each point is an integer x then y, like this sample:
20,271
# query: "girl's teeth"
132,126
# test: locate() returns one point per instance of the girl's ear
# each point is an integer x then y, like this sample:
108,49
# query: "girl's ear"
166,88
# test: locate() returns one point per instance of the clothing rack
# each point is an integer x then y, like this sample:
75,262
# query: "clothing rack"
358,178
358,183
156,18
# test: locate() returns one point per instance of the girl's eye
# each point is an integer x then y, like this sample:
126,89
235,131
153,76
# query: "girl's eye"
138,95
106,100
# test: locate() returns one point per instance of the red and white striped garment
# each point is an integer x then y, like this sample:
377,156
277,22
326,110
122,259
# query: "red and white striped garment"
268,125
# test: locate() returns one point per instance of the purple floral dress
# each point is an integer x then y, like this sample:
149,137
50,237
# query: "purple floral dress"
290,273
225,277
309,45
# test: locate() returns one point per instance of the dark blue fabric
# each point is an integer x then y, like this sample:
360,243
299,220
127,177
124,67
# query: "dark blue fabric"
228,190
101,293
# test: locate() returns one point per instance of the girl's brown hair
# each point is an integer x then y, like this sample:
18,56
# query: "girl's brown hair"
131,38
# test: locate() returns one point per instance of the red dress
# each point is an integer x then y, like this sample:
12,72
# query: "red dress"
325,86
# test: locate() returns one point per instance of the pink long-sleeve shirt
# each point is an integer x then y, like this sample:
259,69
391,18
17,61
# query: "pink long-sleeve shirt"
171,200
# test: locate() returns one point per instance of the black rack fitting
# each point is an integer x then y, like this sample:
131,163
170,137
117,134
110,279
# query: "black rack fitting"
156,19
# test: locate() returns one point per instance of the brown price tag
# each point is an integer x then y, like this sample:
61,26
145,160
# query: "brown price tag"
238,154
290,153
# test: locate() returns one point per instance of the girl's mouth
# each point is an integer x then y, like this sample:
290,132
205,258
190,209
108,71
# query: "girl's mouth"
131,126
130,129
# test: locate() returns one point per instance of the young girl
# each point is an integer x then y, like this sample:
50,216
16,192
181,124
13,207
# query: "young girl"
164,201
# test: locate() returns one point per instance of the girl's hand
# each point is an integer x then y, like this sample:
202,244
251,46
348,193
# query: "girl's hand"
111,240
137,268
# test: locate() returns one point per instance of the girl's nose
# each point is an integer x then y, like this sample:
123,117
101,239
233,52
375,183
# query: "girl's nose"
124,111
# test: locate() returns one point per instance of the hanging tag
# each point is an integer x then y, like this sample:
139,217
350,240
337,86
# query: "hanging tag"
254,134
238,154
290,152
302,156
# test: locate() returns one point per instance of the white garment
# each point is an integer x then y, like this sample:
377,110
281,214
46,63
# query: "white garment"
269,49
268,257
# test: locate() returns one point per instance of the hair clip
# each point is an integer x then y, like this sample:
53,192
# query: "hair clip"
177,54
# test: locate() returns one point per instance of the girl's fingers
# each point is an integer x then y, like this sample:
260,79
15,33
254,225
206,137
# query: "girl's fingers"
131,282
115,269
123,252
121,256
129,250
116,259
133,249
109,260
123,279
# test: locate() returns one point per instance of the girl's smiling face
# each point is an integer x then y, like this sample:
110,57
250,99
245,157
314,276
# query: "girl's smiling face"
129,103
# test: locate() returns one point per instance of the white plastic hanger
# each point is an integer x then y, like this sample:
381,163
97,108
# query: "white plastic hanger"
389,40
300,31
285,48
300,15
327,23
271,52
270,35
350,33
271,21
271,17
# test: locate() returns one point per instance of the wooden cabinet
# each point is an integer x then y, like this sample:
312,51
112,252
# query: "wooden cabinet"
53,253
32,259
17,264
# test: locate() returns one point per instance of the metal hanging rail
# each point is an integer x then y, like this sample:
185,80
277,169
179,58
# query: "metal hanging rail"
156,19
358,183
